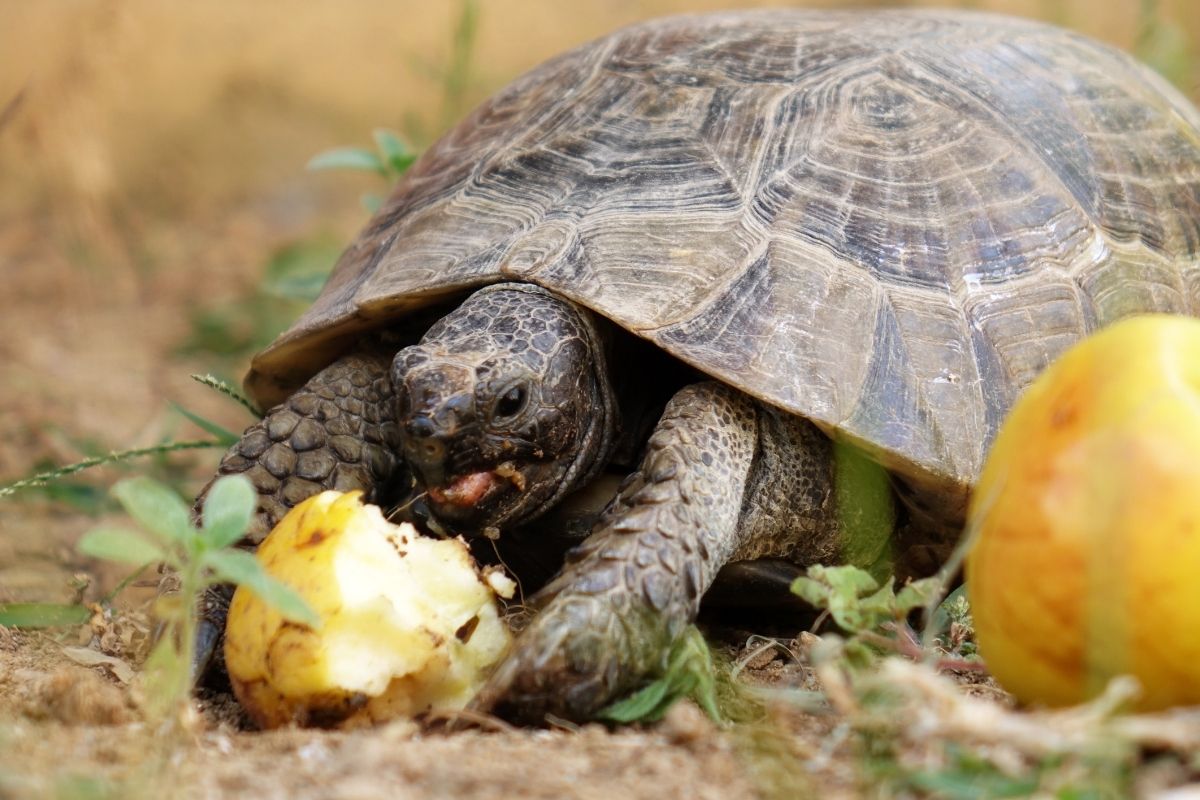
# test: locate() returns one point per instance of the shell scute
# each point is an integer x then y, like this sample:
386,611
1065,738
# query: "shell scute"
887,222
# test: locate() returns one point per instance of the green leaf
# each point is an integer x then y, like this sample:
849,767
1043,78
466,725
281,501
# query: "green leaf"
396,155
811,591
848,581
167,673
866,509
118,544
690,673
853,598
641,705
298,271
401,165
228,509
42,615
954,608
879,606
967,786
968,775
372,202
224,436
242,568
389,143
916,595
156,508
357,158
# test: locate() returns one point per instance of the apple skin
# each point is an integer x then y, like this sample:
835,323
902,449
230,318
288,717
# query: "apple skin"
1086,558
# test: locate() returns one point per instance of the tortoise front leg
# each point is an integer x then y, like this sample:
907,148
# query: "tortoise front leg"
721,473
337,432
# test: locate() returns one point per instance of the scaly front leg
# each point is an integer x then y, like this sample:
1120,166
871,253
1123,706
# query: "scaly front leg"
709,479
337,432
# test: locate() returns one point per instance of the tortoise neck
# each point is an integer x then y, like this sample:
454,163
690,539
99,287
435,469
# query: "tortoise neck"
601,423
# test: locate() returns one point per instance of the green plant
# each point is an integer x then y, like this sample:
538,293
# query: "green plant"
218,385
866,510
58,473
918,732
92,499
455,75
1164,45
290,281
856,601
390,159
43,615
872,614
690,673
200,557
392,154
954,625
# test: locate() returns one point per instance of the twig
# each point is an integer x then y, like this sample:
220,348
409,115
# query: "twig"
43,478
455,719
938,709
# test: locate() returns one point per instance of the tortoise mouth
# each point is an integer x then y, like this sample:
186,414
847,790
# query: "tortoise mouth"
466,491
473,498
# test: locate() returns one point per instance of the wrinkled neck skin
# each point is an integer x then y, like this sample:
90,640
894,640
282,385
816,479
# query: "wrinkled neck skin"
504,407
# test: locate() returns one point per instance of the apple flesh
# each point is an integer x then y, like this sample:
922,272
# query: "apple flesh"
409,624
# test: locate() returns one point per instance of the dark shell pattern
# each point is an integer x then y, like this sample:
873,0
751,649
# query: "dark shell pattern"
886,222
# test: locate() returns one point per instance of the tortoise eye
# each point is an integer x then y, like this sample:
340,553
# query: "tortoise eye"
511,403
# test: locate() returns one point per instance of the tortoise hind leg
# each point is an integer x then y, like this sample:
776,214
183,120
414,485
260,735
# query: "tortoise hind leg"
337,432
708,484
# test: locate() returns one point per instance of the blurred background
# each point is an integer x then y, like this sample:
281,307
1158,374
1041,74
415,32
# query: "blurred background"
156,216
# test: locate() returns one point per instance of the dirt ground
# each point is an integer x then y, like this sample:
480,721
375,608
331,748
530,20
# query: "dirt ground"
154,166
73,733
69,730
103,358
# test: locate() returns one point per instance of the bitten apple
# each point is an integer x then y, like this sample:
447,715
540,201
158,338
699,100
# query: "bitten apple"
409,624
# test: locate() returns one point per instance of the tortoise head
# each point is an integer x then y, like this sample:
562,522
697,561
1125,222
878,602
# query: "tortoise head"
504,406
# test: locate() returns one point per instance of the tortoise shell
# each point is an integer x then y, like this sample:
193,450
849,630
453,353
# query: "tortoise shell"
886,222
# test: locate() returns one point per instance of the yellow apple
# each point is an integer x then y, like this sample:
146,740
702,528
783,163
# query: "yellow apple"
1086,563
409,624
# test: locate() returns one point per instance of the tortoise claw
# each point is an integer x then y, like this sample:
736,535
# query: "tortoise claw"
576,657
208,663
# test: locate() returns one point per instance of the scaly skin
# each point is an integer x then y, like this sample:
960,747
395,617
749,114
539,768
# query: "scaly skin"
338,432
504,407
507,348
607,622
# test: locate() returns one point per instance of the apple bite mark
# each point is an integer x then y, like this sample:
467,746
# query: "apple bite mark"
409,624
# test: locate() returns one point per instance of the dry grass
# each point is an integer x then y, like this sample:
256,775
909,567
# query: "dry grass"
137,107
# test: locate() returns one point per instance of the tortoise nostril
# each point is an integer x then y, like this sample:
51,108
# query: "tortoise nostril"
421,428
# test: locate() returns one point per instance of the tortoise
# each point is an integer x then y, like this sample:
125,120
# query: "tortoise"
722,254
